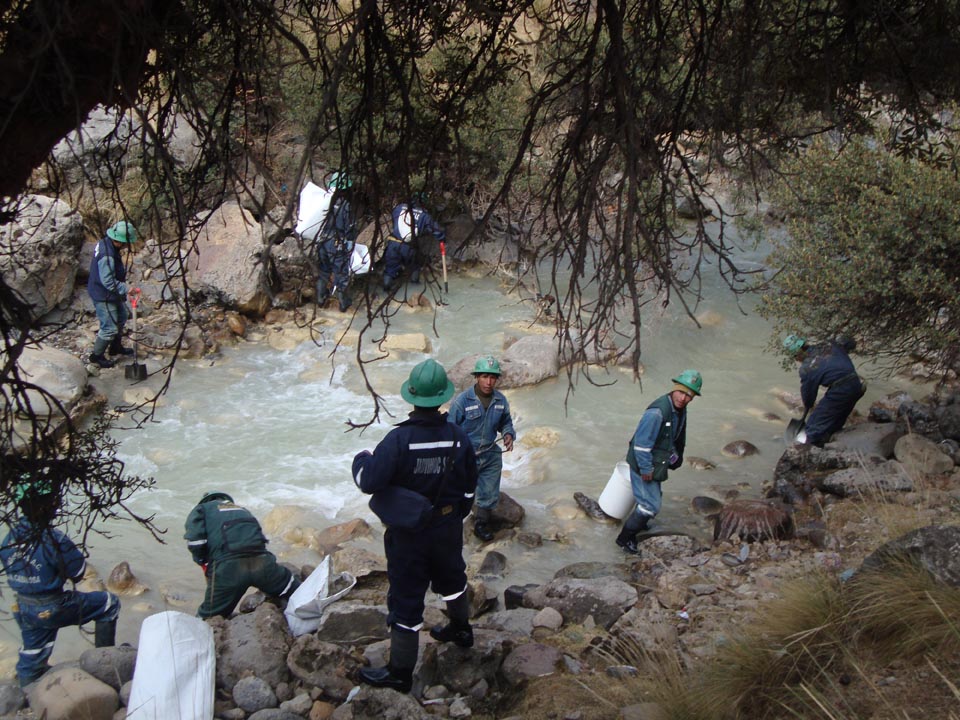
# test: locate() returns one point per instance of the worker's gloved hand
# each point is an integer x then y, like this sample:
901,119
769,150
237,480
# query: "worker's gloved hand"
508,442
203,566
647,477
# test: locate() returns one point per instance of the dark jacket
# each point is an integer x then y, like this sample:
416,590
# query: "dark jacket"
39,562
414,222
107,274
827,366
339,224
218,529
415,455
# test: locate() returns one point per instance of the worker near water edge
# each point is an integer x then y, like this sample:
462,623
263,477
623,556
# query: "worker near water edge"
483,412
410,223
335,243
429,456
38,560
827,365
108,290
657,447
226,541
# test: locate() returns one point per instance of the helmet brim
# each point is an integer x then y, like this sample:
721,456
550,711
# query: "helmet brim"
427,401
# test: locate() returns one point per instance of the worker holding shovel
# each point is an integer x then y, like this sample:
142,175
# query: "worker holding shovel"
410,222
108,290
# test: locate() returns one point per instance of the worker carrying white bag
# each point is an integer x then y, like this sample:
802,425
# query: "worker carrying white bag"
307,603
314,206
176,669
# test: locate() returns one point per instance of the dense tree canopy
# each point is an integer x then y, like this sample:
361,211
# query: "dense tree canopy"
581,124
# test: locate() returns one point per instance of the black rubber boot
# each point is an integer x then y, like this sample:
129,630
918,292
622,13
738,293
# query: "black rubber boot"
117,348
105,633
101,361
97,357
344,299
627,539
388,677
323,292
459,635
481,524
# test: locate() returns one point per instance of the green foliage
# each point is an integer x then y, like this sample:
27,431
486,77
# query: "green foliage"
873,252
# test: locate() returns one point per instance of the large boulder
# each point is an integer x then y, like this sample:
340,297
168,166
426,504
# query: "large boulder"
112,665
921,456
69,693
255,643
950,422
227,261
862,481
530,360
800,468
39,250
60,375
98,149
871,438
605,599
936,548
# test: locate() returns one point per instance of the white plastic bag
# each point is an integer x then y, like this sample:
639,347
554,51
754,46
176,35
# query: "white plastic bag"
305,607
314,205
360,260
176,669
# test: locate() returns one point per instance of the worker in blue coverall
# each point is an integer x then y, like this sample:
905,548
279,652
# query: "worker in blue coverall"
226,541
656,447
38,560
335,243
108,290
410,223
431,457
483,412
828,365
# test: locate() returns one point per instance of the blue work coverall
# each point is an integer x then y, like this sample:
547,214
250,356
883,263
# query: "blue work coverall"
37,563
416,455
410,222
482,426
828,366
107,288
656,447
335,248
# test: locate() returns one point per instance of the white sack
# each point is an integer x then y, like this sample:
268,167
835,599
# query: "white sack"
305,607
176,669
360,260
314,205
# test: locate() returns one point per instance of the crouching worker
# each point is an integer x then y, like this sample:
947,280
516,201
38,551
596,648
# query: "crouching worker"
227,542
38,559
426,472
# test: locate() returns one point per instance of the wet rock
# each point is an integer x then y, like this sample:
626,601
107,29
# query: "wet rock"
494,565
870,438
699,463
739,449
351,621
605,599
518,621
513,595
949,422
329,538
592,508
540,437
252,694
936,548
886,409
705,505
237,324
482,599
460,669
548,618
508,513
593,569
122,581
800,466
530,539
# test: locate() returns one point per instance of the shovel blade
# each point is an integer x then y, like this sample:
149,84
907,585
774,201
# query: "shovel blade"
794,427
135,371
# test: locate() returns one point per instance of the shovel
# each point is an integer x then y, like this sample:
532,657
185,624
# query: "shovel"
443,257
135,371
795,427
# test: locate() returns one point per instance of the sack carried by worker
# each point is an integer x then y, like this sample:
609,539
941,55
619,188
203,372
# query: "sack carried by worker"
402,508
314,206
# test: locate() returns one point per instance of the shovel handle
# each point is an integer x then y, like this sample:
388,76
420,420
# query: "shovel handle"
443,257
135,297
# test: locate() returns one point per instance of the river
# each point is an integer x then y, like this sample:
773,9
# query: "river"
269,428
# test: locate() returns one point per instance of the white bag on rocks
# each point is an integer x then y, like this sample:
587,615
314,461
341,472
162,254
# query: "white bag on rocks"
306,605
176,669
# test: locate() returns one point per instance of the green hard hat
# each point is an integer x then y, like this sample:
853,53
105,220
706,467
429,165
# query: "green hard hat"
487,365
793,344
339,181
215,495
123,232
29,488
428,385
690,379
